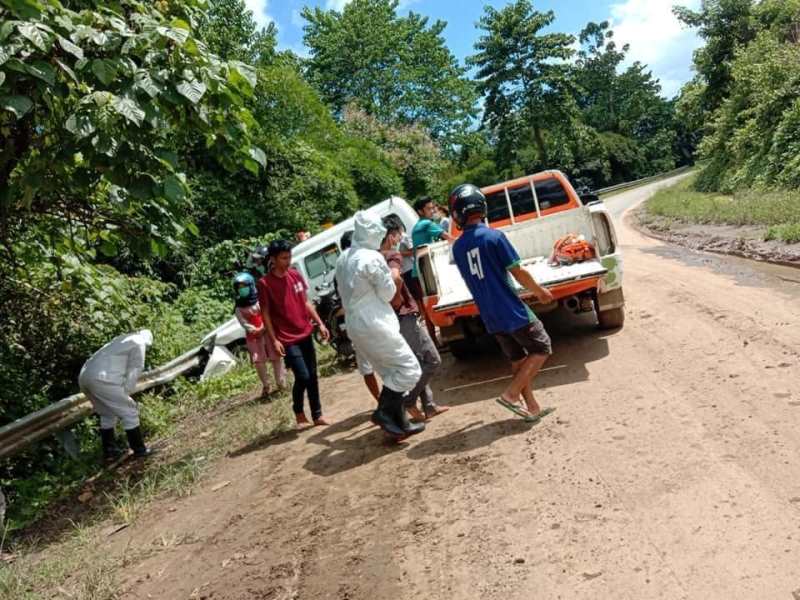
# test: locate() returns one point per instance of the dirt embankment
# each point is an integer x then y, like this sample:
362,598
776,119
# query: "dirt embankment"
746,242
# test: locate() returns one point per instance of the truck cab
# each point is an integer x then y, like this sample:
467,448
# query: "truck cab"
534,212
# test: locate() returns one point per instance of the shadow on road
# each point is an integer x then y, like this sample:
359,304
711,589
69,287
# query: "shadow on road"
471,437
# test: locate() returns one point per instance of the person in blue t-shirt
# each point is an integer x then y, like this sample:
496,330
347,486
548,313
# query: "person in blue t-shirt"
486,259
426,231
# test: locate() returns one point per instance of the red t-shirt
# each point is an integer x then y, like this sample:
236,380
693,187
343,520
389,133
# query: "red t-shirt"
284,298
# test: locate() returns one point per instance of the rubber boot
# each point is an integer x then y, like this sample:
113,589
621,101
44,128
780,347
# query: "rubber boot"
136,442
109,443
382,417
401,417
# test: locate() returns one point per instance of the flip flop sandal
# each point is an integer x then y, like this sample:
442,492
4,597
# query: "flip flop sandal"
538,417
515,408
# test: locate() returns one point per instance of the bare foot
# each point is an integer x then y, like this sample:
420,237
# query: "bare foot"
301,420
265,392
322,421
416,414
437,410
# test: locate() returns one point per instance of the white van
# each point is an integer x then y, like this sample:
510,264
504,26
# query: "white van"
316,258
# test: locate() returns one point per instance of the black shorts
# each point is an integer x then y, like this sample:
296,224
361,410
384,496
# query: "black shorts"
525,341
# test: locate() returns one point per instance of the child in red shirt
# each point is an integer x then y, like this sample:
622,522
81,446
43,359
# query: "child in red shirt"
248,313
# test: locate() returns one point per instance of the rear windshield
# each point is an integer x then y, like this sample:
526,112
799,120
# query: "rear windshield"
549,192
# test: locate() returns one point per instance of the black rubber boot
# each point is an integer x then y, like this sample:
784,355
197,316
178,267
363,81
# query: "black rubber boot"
382,417
109,442
136,442
401,417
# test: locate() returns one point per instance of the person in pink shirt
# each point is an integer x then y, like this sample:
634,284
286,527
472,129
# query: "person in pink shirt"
288,316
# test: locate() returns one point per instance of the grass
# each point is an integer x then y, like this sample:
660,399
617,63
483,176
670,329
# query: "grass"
778,212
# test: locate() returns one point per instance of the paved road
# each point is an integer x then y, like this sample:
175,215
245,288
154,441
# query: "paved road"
671,468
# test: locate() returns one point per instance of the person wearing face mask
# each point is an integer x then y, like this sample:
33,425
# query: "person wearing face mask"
108,379
258,265
366,286
261,350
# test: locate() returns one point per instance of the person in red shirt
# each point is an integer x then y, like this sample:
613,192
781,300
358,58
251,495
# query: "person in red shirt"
288,313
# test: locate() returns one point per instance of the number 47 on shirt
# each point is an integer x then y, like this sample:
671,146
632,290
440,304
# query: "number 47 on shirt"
474,260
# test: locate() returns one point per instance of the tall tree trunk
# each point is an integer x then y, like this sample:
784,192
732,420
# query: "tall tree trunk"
540,145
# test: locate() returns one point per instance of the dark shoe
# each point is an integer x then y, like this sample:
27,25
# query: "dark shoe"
398,411
382,417
108,440
136,442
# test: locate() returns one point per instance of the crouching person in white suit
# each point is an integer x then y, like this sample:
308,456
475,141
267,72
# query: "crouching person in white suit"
108,378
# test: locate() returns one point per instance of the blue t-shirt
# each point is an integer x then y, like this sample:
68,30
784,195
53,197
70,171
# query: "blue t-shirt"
425,232
484,256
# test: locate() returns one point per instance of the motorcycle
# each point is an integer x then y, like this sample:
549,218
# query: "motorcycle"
330,309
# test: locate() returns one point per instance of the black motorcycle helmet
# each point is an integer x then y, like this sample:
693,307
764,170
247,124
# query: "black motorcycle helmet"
465,200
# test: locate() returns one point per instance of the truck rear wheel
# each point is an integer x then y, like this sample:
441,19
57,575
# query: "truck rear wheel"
611,319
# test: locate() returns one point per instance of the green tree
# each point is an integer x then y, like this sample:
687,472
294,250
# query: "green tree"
94,107
396,68
230,31
523,74
725,25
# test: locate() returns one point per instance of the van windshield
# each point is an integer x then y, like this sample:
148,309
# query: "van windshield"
322,261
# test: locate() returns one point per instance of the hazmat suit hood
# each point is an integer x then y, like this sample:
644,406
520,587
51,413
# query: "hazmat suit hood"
369,231
147,337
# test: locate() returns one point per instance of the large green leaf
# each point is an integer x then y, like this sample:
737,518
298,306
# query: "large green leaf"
246,71
26,9
128,109
35,36
68,46
258,155
104,69
19,105
80,125
2,78
67,70
144,82
6,29
43,71
193,90
8,50
173,189
177,35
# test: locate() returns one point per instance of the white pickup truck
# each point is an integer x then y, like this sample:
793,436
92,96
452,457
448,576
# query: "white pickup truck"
534,212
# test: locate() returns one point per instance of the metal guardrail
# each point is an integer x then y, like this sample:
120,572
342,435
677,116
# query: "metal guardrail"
620,187
60,415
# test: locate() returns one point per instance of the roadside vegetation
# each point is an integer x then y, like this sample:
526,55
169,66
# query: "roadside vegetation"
744,103
776,211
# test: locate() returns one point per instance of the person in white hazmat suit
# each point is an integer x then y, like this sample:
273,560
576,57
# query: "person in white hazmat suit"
365,285
108,378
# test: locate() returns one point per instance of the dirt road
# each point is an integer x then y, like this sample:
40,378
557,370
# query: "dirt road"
670,469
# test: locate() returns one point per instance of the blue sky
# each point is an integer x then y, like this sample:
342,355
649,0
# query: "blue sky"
655,36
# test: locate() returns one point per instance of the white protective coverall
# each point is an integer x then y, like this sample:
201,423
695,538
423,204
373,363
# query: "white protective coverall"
366,287
110,375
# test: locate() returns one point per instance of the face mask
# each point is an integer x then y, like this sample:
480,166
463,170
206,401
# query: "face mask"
244,292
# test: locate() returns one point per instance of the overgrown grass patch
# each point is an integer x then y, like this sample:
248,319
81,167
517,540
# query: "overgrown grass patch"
778,211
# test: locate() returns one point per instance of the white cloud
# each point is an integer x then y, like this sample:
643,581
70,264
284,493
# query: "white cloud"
657,39
335,4
259,9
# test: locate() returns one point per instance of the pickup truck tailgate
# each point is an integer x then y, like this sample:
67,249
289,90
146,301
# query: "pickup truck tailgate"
453,291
